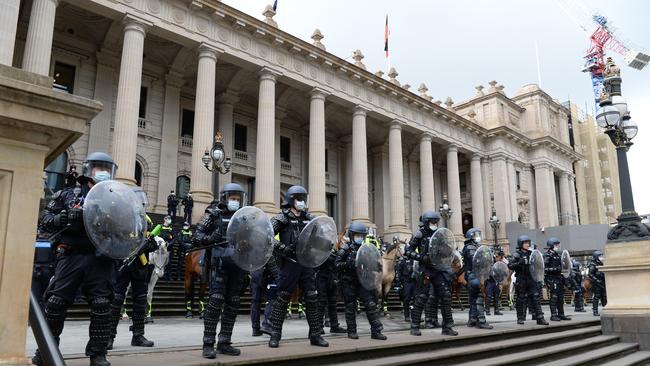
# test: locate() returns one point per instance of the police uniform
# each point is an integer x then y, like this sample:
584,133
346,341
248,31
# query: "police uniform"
405,277
554,280
598,282
493,291
576,284
264,282
476,309
526,288
326,285
184,244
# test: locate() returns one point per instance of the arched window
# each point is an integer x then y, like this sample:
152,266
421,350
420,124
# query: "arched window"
55,174
138,174
182,186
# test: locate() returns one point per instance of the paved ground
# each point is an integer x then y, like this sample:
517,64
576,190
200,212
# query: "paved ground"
179,336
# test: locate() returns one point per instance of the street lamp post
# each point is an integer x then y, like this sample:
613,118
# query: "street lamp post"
495,223
216,160
445,211
614,118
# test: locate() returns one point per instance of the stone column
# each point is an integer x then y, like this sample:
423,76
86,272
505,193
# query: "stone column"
38,46
501,192
543,195
125,132
360,209
347,181
532,199
396,171
487,207
265,157
453,190
478,211
426,174
8,25
437,186
170,139
317,202
203,133
554,198
574,205
565,199
227,102
512,184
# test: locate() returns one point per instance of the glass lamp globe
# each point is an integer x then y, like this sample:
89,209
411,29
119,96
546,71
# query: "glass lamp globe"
445,206
218,155
629,127
206,159
620,104
608,116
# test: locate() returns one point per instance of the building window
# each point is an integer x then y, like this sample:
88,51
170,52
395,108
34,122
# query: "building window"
138,174
518,179
326,161
285,149
331,205
182,186
240,137
463,182
64,77
142,111
187,123
55,175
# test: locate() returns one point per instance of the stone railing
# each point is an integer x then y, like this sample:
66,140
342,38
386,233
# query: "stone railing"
240,155
185,143
142,124
285,166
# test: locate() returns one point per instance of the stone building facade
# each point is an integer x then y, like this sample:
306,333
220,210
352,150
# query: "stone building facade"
170,73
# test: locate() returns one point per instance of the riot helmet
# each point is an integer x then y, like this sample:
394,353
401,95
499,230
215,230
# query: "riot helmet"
523,239
357,232
297,197
430,219
142,196
598,257
186,225
552,243
167,221
576,265
99,167
473,234
233,196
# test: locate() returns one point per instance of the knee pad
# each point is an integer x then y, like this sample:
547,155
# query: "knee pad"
118,300
217,297
284,296
56,304
311,295
234,300
100,305
141,300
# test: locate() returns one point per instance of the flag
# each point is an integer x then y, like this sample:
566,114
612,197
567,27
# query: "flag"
386,35
275,5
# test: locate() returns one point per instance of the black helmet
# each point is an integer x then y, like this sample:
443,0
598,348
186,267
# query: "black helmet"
429,215
98,160
357,227
551,242
575,264
597,255
521,239
229,189
470,233
293,193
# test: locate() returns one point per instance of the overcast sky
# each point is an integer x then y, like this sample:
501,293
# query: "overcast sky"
452,46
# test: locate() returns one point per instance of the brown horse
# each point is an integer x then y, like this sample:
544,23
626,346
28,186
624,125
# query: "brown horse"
459,278
194,270
388,261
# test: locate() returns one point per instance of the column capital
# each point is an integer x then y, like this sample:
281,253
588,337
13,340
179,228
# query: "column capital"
426,137
452,148
498,156
541,165
477,157
564,174
267,73
136,23
208,50
360,111
396,124
318,93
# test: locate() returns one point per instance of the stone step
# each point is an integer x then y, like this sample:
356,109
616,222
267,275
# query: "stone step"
633,359
613,351
480,350
548,353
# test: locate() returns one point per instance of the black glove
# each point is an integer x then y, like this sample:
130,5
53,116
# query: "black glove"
286,250
75,215
151,245
424,259
61,219
352,260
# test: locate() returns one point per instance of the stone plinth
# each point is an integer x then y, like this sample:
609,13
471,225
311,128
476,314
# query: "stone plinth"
36,125
627,277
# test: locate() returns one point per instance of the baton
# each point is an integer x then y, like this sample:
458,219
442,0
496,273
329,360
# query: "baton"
207,246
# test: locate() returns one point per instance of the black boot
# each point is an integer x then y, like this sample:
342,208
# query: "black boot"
274,342
227,349
542,321
318,341
257,332
338,329
484,325
487,311
449,331
99,360
353,335
266,329
415,331
208,351
428,324
140,341
109,346
377,335
496,312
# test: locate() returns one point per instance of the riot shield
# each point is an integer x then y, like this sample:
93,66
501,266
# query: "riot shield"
441,248
537,266
566,264
315,242
369,268
114,219
482,263
499,271
250,234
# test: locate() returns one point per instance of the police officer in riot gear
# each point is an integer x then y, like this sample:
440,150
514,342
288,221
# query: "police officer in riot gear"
352,289
226,278
526,288
554,279
289,223
405,278
136,274
167,233
493,289
576,284
264,283
184,240
327,286
476,308
439,278
78,265
598,281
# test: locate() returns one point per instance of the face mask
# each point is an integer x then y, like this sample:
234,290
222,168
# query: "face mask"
601,258
300,205
101,176
233,205
433,227
358,239
556,249
167,222
186,227
477,239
